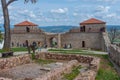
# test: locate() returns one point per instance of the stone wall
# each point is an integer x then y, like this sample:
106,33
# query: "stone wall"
79,58
114,53
74,60
92,37
21,38
6,63
93,27
90,74
92,40
58,72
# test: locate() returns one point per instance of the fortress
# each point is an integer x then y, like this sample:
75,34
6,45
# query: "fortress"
88,36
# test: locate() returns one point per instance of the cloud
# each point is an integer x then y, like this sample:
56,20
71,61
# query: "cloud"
108,1
104,9
60,10
75,14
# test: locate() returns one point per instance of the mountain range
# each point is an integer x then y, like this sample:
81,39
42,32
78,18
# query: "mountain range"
60,29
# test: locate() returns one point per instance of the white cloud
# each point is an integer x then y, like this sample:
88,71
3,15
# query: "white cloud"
108,1
60,10
75,14
32,15
104,9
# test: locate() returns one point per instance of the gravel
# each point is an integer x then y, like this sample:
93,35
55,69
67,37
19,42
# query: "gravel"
28,71
25,71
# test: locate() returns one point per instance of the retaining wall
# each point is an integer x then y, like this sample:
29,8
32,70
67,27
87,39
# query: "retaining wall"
80,58
6,63
58,72
90,74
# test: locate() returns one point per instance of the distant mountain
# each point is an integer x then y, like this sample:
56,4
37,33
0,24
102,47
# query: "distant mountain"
110,26
60,29
57,29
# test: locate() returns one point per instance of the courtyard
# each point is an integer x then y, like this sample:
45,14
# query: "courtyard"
40,67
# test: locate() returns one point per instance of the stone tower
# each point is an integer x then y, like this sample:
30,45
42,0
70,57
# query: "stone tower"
26,31
87,36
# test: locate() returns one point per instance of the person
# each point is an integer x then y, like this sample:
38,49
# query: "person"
34,43
65,46
12,44
39,46
45,46
70,46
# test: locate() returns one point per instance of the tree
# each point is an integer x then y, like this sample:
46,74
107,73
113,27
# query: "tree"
1,37
113,34
7,35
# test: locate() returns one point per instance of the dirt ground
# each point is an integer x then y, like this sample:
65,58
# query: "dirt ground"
30,71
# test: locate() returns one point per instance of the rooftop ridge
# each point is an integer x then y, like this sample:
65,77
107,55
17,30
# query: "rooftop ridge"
92,21
26,23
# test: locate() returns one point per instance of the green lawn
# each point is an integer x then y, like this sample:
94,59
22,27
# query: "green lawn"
73,73
41,61
68,51
16,49
106,70
75,50
117,40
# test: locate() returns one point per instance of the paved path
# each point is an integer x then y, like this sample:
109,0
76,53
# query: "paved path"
46,50
26,52
95,52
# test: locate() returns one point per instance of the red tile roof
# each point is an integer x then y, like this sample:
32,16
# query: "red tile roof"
26,23
92,21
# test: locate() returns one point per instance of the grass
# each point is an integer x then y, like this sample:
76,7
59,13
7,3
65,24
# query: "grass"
106,70
117,40
73,50
68,51
19,49
16,49
41,61
73,74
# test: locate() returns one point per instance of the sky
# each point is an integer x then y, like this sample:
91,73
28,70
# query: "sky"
63,12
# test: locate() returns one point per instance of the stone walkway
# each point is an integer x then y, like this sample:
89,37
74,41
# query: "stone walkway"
86,51
26,52
95,52
46,50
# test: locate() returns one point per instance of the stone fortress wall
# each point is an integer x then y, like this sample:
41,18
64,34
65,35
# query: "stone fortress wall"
91,40
87,36
113,51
